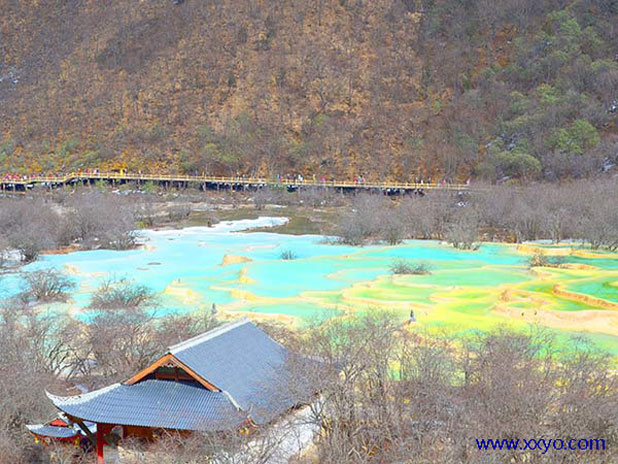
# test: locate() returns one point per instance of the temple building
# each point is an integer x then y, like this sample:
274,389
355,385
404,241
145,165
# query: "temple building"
231,377
62,431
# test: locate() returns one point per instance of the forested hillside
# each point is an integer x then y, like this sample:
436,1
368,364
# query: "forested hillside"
384,88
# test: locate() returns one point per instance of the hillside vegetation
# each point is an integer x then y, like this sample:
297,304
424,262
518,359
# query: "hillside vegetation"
384,88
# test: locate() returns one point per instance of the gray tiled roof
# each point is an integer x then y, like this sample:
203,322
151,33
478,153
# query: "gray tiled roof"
237,358
243,361
154,403
52,431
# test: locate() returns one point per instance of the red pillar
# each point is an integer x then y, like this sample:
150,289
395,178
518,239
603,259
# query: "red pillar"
100,440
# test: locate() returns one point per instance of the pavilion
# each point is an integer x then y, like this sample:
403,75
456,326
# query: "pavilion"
230,377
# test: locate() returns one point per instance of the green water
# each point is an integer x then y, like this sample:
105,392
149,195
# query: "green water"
461,294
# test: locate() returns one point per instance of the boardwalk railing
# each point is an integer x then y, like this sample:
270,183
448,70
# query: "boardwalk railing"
226,181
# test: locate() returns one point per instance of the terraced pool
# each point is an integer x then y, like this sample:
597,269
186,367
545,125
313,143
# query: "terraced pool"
243,272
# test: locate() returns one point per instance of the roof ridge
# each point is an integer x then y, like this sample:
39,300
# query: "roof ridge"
207,335
231,399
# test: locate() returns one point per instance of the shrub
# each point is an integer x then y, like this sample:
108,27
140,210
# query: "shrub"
145,212
178,212
510,164
288,255
401,266
149,187
540,260
579,137
122,294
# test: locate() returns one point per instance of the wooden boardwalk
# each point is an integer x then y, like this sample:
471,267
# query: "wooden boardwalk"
25,183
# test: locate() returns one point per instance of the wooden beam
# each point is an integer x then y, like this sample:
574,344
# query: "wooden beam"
170,359
86,430
149,370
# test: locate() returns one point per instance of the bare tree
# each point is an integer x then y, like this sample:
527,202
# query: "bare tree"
361,222
29,226
46,286
29,367
370,412
103,220
121,342
463,232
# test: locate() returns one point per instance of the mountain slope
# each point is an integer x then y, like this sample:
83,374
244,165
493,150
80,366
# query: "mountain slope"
387,88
